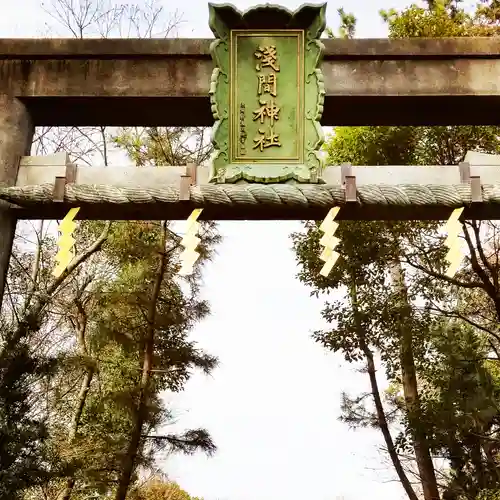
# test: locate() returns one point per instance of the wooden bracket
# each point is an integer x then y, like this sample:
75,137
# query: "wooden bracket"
474,181
17,162
350,189
476,191
345,171
60,182
348,183
464,169
187,180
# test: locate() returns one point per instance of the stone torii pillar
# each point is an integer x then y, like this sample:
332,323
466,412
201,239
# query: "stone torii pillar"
16,135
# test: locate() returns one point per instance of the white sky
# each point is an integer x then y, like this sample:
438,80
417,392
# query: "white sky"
272,406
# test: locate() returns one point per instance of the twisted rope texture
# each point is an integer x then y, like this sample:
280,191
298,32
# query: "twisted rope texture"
293,195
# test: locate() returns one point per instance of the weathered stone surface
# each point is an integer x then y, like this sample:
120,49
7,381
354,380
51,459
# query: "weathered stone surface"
166,82
29,48
16,133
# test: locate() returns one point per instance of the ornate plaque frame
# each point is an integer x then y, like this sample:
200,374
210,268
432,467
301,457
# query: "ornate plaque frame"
300,160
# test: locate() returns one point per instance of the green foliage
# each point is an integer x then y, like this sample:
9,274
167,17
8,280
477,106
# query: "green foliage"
161,146
24,449
347,26
118,326
97,322
379,145
458,387
27,456
157,489
444,19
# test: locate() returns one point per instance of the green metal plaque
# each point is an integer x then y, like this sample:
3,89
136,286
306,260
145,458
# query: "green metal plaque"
267,94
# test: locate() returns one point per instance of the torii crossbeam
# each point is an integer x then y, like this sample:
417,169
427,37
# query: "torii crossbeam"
367,193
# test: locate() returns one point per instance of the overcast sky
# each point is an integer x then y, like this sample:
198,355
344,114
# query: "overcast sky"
273,405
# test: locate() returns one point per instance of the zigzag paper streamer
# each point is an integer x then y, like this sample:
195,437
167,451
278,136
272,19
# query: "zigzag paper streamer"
329,242
454,256
190,242
65,242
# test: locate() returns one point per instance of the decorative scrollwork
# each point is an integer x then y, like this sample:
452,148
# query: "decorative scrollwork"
311,19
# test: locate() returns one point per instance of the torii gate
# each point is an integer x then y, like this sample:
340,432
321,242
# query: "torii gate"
174,82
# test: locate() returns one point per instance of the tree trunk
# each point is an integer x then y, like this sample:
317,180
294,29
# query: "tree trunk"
82,396
491,459
384,427
81,326
140,414
409,379
379,407
477,461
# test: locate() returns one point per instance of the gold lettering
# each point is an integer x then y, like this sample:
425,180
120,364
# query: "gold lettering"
243,131
268,58
270,110
267,84
262,141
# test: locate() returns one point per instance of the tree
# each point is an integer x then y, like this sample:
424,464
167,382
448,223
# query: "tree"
388,320
25,455
121,321
158,489
159,327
